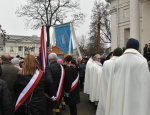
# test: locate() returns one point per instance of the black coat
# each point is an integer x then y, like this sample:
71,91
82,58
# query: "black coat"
9,74
36,102
71,74
82,67
6,107
145,51
55,71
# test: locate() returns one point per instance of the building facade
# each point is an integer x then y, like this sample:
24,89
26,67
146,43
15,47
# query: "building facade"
20,45
130,19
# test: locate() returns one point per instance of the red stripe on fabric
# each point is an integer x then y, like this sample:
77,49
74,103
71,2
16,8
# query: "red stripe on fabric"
42,45
29,91
72,89
60,92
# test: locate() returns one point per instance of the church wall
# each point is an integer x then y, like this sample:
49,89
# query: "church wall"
114,30
145,23
123,1
124,34
123,24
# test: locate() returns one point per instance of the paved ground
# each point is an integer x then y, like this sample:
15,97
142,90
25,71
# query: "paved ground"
84,108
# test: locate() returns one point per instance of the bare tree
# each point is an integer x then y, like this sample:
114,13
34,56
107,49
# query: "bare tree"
101,10
4,37
50,12
82,45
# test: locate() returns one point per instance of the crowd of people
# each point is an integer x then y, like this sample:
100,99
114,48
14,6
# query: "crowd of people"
27,90
120,85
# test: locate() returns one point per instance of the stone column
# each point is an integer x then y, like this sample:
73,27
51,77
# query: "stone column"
134,19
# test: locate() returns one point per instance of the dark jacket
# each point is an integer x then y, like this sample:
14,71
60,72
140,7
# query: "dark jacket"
148,50
55,70
82,67
6,107
36,102
71,74
9,74
145,52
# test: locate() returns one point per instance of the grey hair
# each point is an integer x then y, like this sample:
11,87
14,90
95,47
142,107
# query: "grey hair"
94,58
52,57
15,61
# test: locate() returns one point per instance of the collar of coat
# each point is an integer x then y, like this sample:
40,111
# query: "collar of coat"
132,51
114,57
98,63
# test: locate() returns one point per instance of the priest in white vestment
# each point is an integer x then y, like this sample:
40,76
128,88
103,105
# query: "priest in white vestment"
95,78
87,76
129,88
106,74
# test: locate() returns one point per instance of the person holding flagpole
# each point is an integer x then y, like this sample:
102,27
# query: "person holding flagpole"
30,89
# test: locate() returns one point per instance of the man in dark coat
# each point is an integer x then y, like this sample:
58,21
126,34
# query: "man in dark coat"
5,98
82,67
56,71
9,72
72,97
6,107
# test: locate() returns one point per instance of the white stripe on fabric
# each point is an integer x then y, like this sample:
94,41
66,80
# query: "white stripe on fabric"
61,80
75,81
45,52
29,85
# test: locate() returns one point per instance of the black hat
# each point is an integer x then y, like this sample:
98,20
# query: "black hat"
117,52
132,43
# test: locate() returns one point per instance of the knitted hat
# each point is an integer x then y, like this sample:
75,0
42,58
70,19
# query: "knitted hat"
132,43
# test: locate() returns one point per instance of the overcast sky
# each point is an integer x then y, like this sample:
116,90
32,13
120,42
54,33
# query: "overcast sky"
16,26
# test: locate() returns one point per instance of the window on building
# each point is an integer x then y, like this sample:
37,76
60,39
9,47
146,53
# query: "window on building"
126,35
20,48
25,48
1,48
11,49
32,49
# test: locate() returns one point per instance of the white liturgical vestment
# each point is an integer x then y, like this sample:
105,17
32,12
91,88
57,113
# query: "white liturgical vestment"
95,81
129,88
87,76
106,74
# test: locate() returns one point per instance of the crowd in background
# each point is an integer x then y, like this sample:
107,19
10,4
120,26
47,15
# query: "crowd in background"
146,53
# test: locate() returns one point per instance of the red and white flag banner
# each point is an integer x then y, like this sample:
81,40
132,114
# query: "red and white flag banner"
43,50
29,88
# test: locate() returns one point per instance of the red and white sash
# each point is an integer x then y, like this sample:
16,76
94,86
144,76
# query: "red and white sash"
29,88
59,91
74,84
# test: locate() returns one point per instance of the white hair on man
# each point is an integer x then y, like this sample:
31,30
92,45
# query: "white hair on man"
97,57
15,61
52,57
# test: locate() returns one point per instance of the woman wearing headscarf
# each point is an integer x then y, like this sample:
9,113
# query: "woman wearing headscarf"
30,88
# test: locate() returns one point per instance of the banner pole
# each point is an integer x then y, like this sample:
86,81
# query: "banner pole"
75,40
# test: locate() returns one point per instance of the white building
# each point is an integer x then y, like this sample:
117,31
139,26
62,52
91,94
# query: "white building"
20,45
130,18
